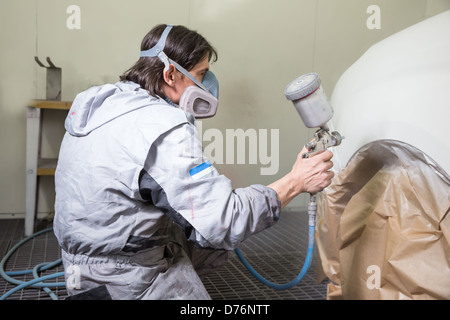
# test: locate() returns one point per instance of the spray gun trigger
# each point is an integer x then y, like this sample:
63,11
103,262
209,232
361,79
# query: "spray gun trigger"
311,145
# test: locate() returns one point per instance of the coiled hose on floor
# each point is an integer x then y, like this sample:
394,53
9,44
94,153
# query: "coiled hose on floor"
37,282
312,211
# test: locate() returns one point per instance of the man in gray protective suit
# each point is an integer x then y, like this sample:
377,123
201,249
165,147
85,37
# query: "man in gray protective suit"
139,210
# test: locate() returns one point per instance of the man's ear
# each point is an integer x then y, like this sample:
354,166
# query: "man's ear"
169,75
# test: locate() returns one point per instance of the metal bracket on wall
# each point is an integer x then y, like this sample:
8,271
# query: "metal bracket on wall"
53,80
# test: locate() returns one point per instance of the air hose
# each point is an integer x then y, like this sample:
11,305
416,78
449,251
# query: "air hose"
312,211
37,282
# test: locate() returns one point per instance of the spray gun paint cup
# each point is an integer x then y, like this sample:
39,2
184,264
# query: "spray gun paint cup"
310,100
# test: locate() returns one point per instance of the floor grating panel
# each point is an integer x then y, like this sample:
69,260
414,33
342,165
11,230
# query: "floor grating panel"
277,253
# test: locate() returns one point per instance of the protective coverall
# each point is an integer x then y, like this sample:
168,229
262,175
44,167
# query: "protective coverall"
132,186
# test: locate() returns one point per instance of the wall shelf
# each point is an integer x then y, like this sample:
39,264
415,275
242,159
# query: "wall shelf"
46,167
35,165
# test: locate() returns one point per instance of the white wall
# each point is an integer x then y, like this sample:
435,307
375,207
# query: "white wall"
262,44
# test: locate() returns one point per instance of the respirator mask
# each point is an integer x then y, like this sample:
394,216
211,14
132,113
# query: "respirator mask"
199,100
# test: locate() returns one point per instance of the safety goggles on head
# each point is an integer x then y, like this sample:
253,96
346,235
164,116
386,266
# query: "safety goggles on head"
199,100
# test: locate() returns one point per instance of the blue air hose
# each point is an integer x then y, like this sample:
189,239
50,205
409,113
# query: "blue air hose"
37,282
312,210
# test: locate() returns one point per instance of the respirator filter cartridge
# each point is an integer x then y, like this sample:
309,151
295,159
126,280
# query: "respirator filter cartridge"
310,100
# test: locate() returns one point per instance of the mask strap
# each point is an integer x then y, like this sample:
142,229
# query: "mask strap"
157,51
187,74
159,47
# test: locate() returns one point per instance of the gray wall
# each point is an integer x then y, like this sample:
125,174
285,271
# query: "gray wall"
262,44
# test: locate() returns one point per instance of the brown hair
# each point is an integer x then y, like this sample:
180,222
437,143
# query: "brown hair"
184,46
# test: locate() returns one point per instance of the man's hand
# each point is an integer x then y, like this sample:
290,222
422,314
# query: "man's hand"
310,175
313,171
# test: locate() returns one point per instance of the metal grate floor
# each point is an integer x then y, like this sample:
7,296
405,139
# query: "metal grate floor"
43,248
277,253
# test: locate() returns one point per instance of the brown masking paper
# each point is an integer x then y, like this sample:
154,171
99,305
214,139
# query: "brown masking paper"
383,228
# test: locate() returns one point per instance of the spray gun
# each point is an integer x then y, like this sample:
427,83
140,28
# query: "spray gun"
311,103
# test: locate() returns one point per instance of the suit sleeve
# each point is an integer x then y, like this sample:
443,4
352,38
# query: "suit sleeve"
179,180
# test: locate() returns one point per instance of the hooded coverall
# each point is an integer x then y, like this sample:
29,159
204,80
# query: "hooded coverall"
134,192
